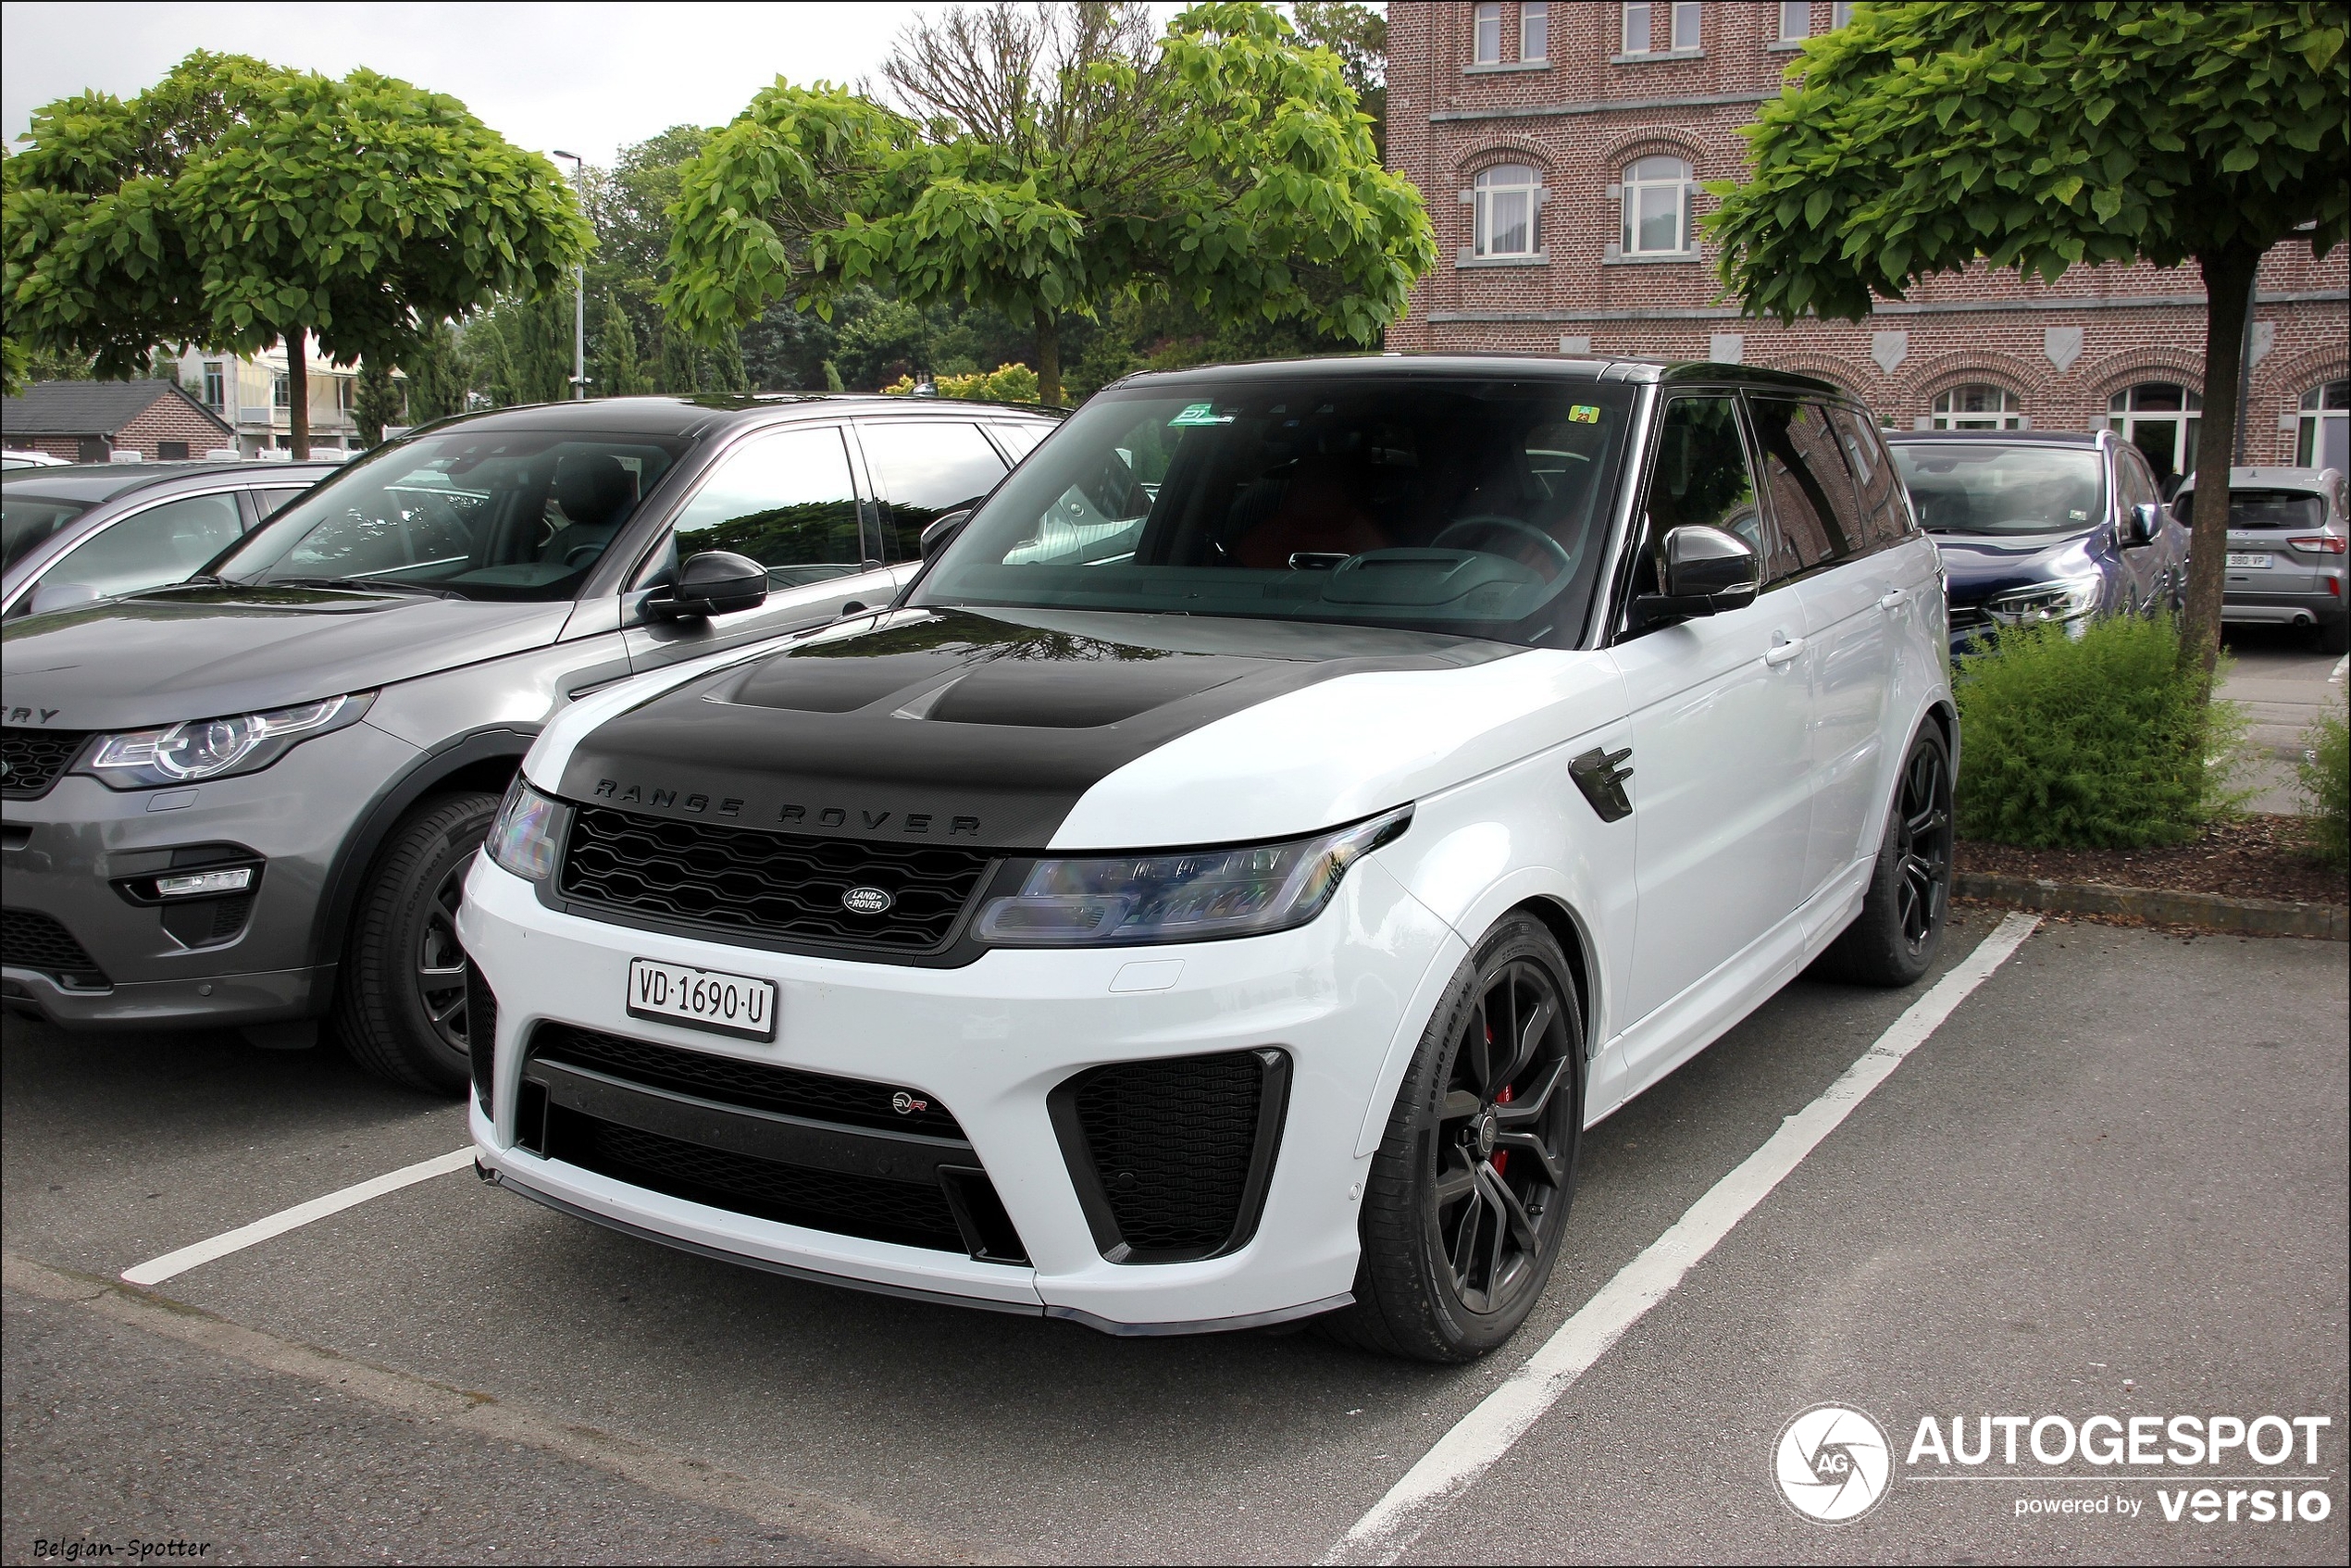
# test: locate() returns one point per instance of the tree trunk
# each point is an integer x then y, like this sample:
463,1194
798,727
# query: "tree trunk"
1049,357
2228,294
297,397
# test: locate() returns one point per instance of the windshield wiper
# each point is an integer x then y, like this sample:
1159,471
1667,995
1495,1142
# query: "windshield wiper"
361,585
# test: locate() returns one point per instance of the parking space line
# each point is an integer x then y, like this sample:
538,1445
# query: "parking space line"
156,1270
1489,1432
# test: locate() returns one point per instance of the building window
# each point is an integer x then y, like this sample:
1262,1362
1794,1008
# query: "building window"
1636,28
1685,25
171,451
2324,439
1658,219
1486,36
346,392
216,385
1534,31
279,396
1796,19
1978,407
1841,14
1509,200
2160,418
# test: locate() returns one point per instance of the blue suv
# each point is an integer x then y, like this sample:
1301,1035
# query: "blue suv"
2038,525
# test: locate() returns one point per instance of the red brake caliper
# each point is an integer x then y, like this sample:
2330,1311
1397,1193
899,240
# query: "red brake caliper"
1502,1156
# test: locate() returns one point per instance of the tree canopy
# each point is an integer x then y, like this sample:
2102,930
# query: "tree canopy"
235,205
1923,138
1225,166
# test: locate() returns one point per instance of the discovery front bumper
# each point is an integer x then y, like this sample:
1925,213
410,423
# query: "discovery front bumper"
1124,1106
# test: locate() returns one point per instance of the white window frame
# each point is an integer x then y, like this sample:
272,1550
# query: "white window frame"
1841,14
281,391
1688,31
1795,21
216,384
2312,413
2124,415
1483,191
1485,23
1635,37
1535,28
2007,415
1685,216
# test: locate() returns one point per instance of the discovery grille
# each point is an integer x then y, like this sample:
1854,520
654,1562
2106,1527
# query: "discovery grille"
771,884
1172,1157
32,941
850,1102
32,759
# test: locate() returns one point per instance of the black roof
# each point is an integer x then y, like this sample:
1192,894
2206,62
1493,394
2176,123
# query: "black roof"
2010,438
1482,367
91,408
102,481
700,416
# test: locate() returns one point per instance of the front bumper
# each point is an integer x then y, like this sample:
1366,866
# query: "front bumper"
989,1042
66,852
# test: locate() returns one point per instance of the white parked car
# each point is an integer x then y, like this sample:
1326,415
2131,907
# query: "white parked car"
1221,887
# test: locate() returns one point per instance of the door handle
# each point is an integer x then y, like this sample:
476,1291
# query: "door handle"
1781,652
1891,597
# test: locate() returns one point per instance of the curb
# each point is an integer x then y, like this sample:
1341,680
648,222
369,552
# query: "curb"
2213,912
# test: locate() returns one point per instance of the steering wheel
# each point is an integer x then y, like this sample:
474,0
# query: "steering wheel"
1485,521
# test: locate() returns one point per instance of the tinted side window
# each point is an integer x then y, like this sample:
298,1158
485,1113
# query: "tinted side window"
1699,475
269,501
2134,485
786,501
1020,440
162,544
1811,494
923,470
1884,520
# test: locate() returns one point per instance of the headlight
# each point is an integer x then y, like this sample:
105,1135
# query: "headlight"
1190,895
529,829
214,748
2064,600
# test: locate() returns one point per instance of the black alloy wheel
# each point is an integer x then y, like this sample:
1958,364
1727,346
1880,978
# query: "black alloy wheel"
440,961
1893,941
1467,1199
399,997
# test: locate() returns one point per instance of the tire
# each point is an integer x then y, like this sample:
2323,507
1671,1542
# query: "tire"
1892,941
400,1003
1457,1243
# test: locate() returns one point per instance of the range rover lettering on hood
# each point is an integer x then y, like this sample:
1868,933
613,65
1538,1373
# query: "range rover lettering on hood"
961,726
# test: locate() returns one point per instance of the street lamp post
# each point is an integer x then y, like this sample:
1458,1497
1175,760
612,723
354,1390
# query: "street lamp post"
579,290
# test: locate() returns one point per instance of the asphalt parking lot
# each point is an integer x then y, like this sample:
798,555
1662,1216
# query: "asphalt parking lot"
2112,1181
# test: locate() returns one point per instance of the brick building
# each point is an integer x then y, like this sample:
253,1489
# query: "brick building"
1561,149
92,421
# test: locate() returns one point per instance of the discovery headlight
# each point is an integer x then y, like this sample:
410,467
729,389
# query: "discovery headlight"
215,748
1184,895
529,829
2063,598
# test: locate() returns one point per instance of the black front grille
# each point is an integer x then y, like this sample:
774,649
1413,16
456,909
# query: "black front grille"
908,1214
33,758
732,1081
29,939
1178,1150
771,884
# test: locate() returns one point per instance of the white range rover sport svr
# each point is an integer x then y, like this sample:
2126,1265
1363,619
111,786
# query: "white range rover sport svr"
1221,887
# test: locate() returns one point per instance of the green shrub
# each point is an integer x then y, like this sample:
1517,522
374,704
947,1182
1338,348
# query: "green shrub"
1006,383
2326,784
2095,741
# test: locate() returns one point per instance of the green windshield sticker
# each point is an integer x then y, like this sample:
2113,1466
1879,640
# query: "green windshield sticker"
1584,414
1200,414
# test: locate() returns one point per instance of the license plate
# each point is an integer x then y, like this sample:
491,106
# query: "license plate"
2243,560
702,998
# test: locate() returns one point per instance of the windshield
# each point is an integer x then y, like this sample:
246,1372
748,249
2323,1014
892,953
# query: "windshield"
26,520
500,513
2263,508
1983,488
1477,507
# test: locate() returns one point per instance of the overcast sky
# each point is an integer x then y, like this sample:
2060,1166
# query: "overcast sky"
586,78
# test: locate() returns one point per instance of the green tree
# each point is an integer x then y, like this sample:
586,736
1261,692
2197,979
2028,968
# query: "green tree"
613,367
436,369
1923,138
520,350
1358,36
376,401
1057,169
237,204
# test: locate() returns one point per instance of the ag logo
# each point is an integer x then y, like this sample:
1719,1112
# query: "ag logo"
1832,1464
866,901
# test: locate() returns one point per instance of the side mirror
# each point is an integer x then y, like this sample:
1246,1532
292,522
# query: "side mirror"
51,596
2143,523
716,582
1705,571
943,528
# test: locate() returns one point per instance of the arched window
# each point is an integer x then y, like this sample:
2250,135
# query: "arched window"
2160,418
2323,437
1978,407
1508,205
1657,216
